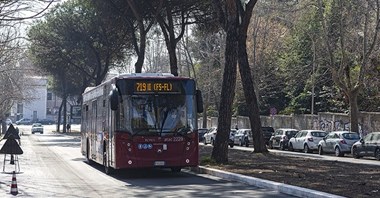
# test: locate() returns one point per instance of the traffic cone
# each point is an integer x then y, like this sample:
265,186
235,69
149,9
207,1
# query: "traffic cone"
14,190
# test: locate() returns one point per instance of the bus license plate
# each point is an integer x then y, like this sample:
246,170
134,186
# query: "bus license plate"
159,163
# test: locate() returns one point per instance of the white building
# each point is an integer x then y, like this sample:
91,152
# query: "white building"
34,107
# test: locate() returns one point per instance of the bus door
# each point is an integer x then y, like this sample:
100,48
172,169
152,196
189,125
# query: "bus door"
93,129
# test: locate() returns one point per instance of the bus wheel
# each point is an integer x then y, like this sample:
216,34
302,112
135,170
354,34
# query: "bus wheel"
107,169
176,170
88,161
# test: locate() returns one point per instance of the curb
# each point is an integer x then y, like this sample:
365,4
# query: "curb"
280,187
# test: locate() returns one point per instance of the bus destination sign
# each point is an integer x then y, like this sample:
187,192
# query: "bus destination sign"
142,86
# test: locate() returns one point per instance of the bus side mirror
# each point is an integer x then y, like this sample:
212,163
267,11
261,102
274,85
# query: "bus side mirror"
114,99
199,101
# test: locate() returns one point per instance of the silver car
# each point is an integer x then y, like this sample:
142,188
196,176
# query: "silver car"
210,137
369,145
243,137
338,142
306,140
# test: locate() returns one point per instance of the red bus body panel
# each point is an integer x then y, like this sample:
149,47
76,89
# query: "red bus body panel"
140,152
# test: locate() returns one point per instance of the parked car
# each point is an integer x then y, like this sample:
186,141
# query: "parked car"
338,142
281,138
369,145
24,121
306,140
46,121
243,137
267,133
37,128
201,133
210,137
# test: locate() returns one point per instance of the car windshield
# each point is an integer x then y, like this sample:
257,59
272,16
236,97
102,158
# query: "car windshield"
351,136
318,134
37,125
267,129
291,133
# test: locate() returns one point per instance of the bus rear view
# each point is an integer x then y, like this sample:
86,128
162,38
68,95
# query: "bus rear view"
142,121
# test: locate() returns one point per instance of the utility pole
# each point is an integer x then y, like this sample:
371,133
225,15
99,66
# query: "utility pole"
313,78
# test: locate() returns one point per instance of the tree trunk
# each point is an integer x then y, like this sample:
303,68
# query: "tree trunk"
59,117
172,57
141,50
64,101
220,151
139,63
250,97
354,111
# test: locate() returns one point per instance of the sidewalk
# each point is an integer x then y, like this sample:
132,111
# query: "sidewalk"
261,183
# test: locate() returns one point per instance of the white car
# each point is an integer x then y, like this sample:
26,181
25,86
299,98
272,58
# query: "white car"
209,136
37,128
306,140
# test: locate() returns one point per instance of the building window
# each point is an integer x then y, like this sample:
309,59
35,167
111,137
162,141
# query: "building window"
49,111
20,107
49,96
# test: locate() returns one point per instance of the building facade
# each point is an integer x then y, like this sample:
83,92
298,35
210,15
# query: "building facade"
34,106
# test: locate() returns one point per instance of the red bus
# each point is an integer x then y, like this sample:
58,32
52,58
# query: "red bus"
141,121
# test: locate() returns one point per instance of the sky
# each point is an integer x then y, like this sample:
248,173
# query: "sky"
30,8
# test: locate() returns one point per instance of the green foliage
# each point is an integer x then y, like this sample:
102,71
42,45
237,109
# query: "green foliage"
207,161
76,46
206,49
303,50
212,111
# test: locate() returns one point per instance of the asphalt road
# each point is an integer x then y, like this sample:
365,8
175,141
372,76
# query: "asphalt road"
52,166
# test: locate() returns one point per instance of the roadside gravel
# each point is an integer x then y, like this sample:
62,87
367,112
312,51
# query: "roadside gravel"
339,178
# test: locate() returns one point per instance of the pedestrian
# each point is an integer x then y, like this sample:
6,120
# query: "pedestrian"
68,127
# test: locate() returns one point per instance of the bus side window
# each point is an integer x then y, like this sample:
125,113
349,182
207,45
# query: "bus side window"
114,99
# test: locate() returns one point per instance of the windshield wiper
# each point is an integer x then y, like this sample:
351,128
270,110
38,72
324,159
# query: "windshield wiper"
182,131
164,120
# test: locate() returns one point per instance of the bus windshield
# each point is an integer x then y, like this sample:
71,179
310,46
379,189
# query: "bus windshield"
157,115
